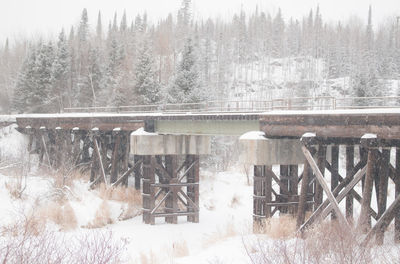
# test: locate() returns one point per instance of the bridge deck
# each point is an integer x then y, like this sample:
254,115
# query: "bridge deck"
326,123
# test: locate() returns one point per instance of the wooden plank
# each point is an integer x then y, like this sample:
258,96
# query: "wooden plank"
171,203
334,171
383,189
99,159
258,205
354,180
349,170
301,210
384,220
364,221
325,187
126,174
115,158
397,194
284,182
321,158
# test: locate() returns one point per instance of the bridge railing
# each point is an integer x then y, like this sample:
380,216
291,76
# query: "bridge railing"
297,103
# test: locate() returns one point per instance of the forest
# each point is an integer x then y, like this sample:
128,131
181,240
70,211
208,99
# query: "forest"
180,59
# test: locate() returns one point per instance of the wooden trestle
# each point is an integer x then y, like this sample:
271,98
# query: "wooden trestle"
367,160
164,184
168,191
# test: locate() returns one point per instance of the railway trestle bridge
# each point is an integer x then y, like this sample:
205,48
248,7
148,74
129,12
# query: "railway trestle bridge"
161,148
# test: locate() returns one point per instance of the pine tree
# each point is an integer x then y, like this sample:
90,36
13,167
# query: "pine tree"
147,89
42,99
99,28
61,72
25,84
186,87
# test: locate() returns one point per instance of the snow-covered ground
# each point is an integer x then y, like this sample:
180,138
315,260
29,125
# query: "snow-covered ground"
224,234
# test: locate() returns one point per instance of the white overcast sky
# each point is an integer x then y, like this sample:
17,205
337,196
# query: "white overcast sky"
46,17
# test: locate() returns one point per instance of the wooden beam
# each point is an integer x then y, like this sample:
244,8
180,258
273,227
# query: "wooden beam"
125,174
349,174
301,209
364,221
325,187
384,220
397,194
115,158
383,189
334,170
97,151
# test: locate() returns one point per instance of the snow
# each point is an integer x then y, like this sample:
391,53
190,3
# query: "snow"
225,214
141,132
12,143
253,135
369,136
309,134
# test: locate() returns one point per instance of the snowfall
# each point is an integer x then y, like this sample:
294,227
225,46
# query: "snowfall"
224,234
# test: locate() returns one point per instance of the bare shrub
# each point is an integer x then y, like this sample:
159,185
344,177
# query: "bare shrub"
326,243
16,187
19,243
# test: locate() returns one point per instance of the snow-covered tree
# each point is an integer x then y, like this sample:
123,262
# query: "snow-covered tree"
146,89
186,86
60,74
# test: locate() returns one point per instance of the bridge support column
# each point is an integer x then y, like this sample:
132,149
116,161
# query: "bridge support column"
264,153
170,175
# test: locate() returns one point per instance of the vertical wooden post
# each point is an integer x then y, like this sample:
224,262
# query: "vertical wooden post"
125,161
321,158
301,210
383,189
349,169
258,199
137,172
284,177
364,221
148,193
335,168
397,193
115,158
85,150
76,146
171,203
293,187
193,191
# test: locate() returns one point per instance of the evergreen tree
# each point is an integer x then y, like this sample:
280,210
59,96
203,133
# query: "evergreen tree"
42,100
186,86
25,84
61,72
147,89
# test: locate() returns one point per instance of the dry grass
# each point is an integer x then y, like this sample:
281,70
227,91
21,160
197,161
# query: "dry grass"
235,201
149,258
225,232
327,243
102,217
280,228
16,188
180,249
61,214
128,195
